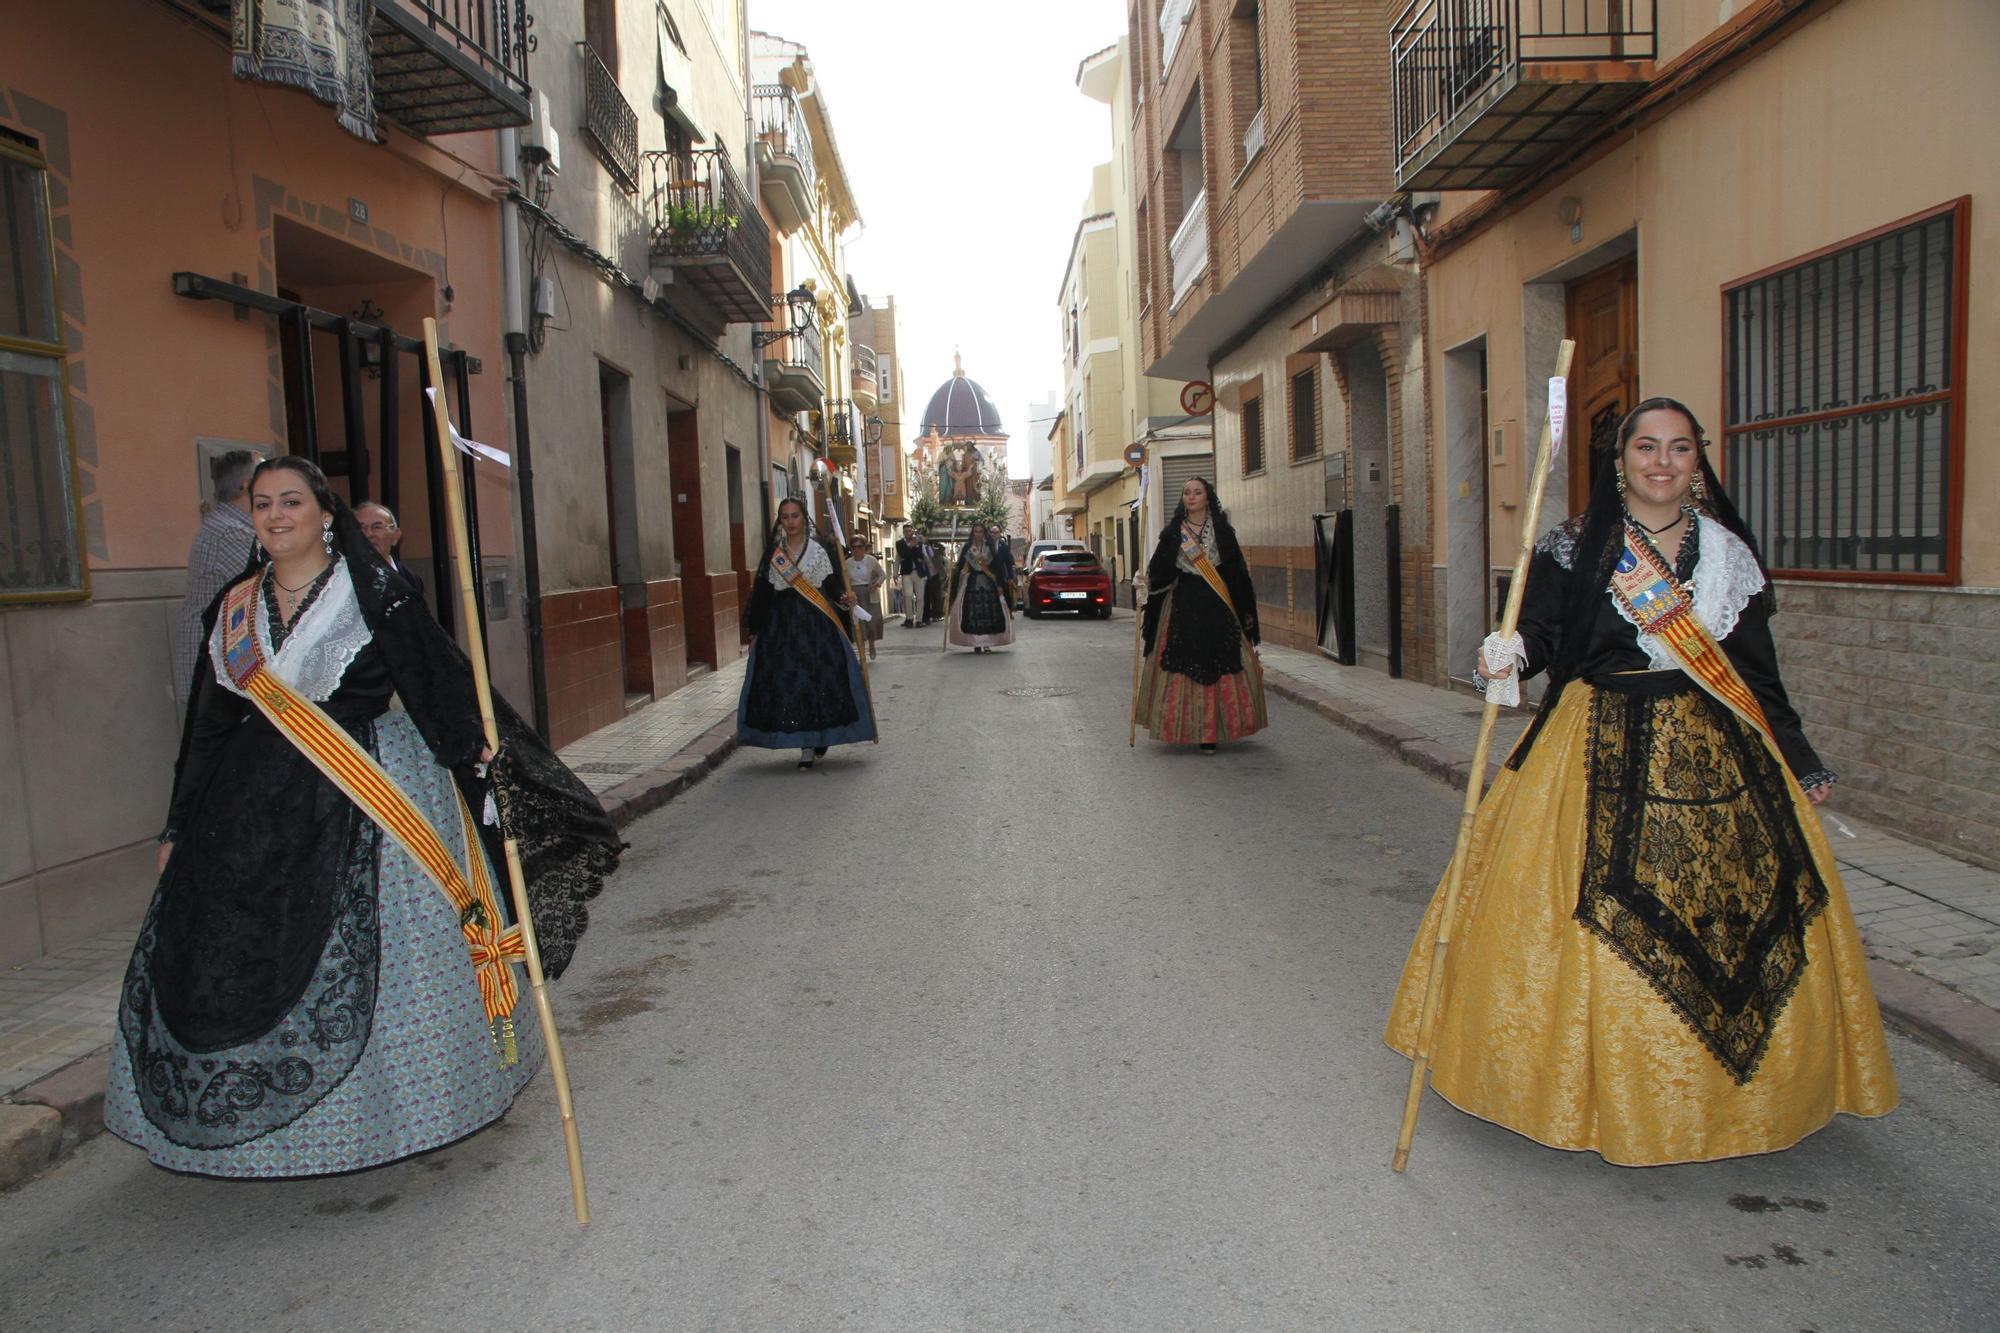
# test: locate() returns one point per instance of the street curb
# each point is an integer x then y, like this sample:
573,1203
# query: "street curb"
1938,1016
652,789
41,1123
1929,1011
1406,743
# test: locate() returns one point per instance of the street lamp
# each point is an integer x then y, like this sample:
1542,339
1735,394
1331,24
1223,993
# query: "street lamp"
799,309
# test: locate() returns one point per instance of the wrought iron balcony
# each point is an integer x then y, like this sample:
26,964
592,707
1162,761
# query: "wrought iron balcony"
609,121
1485,90
1188,250
705,227
795,370
843,431
784,150
866,392
444,66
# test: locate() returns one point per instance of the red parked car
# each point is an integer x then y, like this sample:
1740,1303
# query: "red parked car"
1068,581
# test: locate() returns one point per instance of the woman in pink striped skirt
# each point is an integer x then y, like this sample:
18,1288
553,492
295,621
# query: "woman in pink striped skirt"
1202,684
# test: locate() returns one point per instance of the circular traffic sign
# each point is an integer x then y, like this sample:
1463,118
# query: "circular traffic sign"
1197,398
1135,454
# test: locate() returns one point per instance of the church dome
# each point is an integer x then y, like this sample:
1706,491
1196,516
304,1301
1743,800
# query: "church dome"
961,407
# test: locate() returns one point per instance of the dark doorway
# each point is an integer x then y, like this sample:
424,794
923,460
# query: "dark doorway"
739,544
1603,316
690,550
621,513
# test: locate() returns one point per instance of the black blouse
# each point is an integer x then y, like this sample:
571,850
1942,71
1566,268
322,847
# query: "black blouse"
1614,642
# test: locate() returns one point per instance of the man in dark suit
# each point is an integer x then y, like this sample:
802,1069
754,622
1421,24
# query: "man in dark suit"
934,595
910,572
378,525
1003,565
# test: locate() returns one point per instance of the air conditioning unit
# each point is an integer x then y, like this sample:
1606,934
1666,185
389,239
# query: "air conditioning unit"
540,142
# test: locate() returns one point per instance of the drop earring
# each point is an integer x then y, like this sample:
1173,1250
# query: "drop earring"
326,536
1621,483
1699,489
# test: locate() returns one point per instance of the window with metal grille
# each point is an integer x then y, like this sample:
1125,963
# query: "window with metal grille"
40,556
1253,435
1305,415
1844,414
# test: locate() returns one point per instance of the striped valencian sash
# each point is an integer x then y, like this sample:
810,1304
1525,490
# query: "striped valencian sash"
795,576
1660,605
493,946
1196,554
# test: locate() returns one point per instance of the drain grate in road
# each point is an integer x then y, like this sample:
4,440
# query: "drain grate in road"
1039,691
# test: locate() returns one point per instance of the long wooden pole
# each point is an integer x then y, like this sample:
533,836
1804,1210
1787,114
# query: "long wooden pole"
1138,623
854,621
1475,782
517,881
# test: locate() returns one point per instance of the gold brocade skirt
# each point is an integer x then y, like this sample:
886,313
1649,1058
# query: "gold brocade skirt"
1544,1029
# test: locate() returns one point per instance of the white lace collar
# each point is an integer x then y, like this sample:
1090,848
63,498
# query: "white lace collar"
322,645
813,564
1725,578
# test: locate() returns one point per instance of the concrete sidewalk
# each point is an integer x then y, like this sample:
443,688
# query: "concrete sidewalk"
57,1013
1931,924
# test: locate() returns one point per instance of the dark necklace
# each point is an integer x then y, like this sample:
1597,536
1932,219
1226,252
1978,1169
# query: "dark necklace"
303,586
1673,522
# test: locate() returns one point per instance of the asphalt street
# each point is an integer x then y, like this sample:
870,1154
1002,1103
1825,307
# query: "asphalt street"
1003,1025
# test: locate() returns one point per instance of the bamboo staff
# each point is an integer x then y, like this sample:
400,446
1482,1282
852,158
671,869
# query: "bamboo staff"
854,621
1474,782
516,879
950,579
1138,623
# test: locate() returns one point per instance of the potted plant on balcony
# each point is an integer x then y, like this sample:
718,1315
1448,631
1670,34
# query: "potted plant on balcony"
686,223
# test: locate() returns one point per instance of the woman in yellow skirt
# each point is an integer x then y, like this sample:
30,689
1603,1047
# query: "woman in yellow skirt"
1653,957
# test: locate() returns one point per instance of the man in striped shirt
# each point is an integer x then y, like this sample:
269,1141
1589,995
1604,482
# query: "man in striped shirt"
220,552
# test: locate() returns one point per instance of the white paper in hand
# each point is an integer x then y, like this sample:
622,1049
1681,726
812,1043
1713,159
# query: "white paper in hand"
861,614
1558,416
1498,654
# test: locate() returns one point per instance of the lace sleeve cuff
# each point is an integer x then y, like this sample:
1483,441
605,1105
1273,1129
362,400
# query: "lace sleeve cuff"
1819,777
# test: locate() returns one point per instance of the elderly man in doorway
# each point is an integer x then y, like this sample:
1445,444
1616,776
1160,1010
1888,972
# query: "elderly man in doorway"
220,552
379,526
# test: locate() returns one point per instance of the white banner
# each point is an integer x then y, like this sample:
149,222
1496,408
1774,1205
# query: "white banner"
1558,416
471,448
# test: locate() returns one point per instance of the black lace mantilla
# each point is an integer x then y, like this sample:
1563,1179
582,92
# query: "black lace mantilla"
1696,871
204,1083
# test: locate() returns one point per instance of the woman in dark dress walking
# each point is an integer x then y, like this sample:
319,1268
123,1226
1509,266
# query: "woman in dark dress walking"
803,685
980,615
1202,682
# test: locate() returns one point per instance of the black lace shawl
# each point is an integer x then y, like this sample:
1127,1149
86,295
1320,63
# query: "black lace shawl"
761,592
567,843
1164,568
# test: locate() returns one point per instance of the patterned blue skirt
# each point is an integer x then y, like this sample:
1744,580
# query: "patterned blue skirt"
428,1074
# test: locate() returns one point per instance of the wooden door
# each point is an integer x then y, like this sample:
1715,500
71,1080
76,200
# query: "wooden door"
1603,317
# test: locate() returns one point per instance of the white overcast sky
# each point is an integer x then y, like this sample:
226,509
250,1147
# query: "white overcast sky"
970,151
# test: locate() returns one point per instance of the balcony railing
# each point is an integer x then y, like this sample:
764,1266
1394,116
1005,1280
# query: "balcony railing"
448,66
795,370
609,121
865,378
1484,90
843,428
784,154
705,226
1188,250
